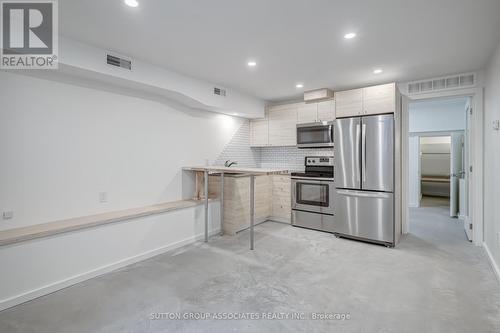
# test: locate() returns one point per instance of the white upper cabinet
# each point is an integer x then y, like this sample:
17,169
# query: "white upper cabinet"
283,125
259,132
314,112
326,110
369,100
349,103
279,128
379,99
307,113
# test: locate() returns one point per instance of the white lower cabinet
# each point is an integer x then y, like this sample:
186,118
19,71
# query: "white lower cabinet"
281,198
272,200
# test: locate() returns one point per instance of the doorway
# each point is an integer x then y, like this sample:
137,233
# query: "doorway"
437,155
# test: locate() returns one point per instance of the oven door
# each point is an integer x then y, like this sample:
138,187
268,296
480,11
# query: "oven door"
315,135
313,195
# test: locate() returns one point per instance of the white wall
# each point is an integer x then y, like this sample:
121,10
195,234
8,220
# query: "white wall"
62,144
438,115
492,159
414,171
34,268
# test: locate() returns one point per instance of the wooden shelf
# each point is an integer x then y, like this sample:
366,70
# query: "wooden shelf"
435,179
17,235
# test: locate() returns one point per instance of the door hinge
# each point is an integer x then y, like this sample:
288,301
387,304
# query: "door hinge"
470,226
470,168
470,111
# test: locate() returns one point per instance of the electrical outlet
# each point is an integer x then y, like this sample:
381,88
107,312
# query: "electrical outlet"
8,215
103,197
496,125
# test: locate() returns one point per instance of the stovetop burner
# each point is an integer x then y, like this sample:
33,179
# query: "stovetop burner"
317,167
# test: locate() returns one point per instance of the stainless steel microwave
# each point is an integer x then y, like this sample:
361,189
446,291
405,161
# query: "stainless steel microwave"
315,135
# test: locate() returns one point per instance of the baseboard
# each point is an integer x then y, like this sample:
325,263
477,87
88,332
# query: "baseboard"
493,263
279,219
53,287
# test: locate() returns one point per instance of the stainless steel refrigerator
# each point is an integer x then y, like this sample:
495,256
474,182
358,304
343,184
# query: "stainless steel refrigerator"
364,178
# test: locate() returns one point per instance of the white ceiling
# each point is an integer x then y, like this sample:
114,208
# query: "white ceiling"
292,40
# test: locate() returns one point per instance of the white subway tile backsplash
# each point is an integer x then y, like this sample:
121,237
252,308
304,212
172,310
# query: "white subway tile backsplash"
238,149
291,158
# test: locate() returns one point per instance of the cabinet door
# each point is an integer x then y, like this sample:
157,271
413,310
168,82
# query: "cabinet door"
281,198
349,103
307,113
259,132
283,126
262,195
379,99
326,110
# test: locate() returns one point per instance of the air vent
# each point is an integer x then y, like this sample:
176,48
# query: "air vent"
219,91
442,83
118,62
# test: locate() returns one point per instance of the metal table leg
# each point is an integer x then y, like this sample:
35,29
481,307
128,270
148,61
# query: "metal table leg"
252,209
206,206
221,203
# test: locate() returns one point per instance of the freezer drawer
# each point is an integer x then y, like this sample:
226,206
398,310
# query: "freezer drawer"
364,214
312,220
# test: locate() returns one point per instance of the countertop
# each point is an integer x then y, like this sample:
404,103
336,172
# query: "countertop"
229,170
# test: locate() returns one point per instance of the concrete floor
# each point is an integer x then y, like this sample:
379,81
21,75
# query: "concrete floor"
434,281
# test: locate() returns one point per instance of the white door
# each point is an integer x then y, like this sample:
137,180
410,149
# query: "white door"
456,170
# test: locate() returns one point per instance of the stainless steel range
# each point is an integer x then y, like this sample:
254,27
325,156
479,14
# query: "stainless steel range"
312,194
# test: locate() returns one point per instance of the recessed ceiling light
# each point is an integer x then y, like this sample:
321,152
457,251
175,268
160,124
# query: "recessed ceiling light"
252,64
377,71
350,35
299,85
131,3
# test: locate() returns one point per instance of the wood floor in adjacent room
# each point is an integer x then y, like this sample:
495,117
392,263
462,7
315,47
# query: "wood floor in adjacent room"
434,281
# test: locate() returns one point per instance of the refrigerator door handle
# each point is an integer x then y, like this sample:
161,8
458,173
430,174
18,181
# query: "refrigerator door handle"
358,162
365,194
363,152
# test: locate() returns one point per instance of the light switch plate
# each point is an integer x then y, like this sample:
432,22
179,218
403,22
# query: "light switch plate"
496,125
103,197
7,215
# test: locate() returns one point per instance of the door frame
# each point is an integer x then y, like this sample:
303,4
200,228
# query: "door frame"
475,128
420,135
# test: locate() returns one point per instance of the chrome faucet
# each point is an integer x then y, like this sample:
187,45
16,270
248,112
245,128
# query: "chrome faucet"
229,163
